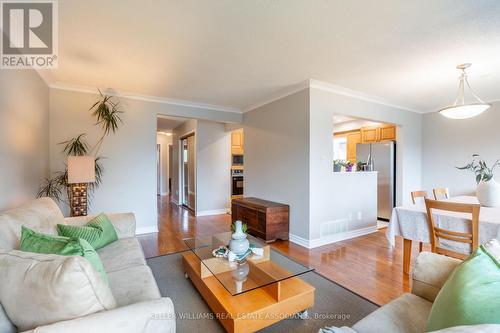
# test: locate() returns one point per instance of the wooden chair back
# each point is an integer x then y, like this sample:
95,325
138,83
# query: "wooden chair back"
441,192
418,194
461,237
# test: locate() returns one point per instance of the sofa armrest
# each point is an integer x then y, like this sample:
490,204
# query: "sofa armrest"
155,316
430,273
124,223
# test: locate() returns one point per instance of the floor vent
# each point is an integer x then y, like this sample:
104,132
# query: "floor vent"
333,227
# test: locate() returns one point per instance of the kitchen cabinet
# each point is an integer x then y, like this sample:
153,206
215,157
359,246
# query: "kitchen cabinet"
370,134
237,142
377,134
388,133
353,139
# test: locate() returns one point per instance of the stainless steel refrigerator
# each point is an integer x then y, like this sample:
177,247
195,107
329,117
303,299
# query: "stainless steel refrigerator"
383,156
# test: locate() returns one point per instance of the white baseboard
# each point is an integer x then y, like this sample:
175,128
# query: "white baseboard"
146,230
312,243
165,193
212,212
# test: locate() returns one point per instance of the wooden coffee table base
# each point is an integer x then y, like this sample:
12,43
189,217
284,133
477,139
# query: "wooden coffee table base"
252,310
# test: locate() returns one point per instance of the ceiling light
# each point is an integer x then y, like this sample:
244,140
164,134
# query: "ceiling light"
460,109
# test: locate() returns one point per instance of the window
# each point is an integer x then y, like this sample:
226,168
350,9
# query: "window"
340,148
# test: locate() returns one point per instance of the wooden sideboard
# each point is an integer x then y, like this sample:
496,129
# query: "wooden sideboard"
265,219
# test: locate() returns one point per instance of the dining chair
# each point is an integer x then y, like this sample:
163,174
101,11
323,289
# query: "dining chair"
437,233
418,194
441,192
414,196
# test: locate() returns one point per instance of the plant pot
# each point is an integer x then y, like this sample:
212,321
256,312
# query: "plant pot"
488,193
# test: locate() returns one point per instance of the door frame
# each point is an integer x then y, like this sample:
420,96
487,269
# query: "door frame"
181,170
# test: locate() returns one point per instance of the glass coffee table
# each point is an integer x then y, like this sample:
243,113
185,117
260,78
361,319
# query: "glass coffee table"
252,294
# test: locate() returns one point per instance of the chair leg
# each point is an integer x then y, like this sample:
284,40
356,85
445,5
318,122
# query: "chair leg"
420,246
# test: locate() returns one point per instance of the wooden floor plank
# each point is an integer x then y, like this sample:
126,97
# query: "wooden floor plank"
366,265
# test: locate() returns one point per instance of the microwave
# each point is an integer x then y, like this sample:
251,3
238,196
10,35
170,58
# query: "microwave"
237,160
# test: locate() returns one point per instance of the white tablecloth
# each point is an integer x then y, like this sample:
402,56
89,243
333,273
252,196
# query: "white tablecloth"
410,222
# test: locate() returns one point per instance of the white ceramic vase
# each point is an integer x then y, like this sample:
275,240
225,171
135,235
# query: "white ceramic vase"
239,243
488,193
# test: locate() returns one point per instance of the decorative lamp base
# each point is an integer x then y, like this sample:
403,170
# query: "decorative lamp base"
78,199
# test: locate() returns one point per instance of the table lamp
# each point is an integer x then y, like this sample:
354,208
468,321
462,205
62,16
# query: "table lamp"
81,172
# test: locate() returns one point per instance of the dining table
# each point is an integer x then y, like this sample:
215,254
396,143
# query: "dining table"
410,222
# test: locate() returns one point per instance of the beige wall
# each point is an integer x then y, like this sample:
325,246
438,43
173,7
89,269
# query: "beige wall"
448,143
24,133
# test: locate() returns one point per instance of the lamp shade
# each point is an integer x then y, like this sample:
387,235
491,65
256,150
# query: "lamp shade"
81,169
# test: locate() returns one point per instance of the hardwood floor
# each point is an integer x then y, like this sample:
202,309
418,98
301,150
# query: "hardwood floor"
366,265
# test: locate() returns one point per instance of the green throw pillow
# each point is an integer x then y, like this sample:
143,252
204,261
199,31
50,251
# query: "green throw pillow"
470,296
99,232
32,241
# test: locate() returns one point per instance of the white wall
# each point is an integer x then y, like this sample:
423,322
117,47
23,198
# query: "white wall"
289,159
409,133
448,143
213,168
354,125
164,141
129,182
212,164
24,135
277,156
343,203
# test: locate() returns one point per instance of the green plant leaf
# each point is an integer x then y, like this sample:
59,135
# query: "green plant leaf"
76,146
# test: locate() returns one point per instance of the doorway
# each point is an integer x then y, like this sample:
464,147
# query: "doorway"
188,181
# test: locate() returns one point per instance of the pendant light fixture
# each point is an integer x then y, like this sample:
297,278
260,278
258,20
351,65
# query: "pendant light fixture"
460,109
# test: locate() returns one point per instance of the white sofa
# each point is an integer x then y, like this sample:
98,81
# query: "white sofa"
140,307
409,312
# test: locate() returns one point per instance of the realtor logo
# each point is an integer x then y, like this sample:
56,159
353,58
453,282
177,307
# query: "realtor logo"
30,34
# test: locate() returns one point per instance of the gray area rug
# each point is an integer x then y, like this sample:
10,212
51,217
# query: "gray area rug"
334,305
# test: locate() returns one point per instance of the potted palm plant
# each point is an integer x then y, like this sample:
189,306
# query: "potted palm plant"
488,190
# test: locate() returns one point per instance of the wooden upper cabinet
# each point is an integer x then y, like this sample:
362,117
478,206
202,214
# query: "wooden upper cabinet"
353,139
237,141
377,134
370,134
388,133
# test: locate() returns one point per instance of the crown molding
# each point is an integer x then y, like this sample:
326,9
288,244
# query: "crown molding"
146,98
279,95
325,86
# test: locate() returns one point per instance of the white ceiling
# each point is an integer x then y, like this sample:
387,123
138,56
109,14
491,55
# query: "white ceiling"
237,53
167,124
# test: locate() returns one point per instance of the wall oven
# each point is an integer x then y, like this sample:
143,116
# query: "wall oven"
237,177
237,160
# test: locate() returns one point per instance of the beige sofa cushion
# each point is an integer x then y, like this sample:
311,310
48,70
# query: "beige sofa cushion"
121,254
406,314
133,284
430,273
41,215
6,325
39,289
